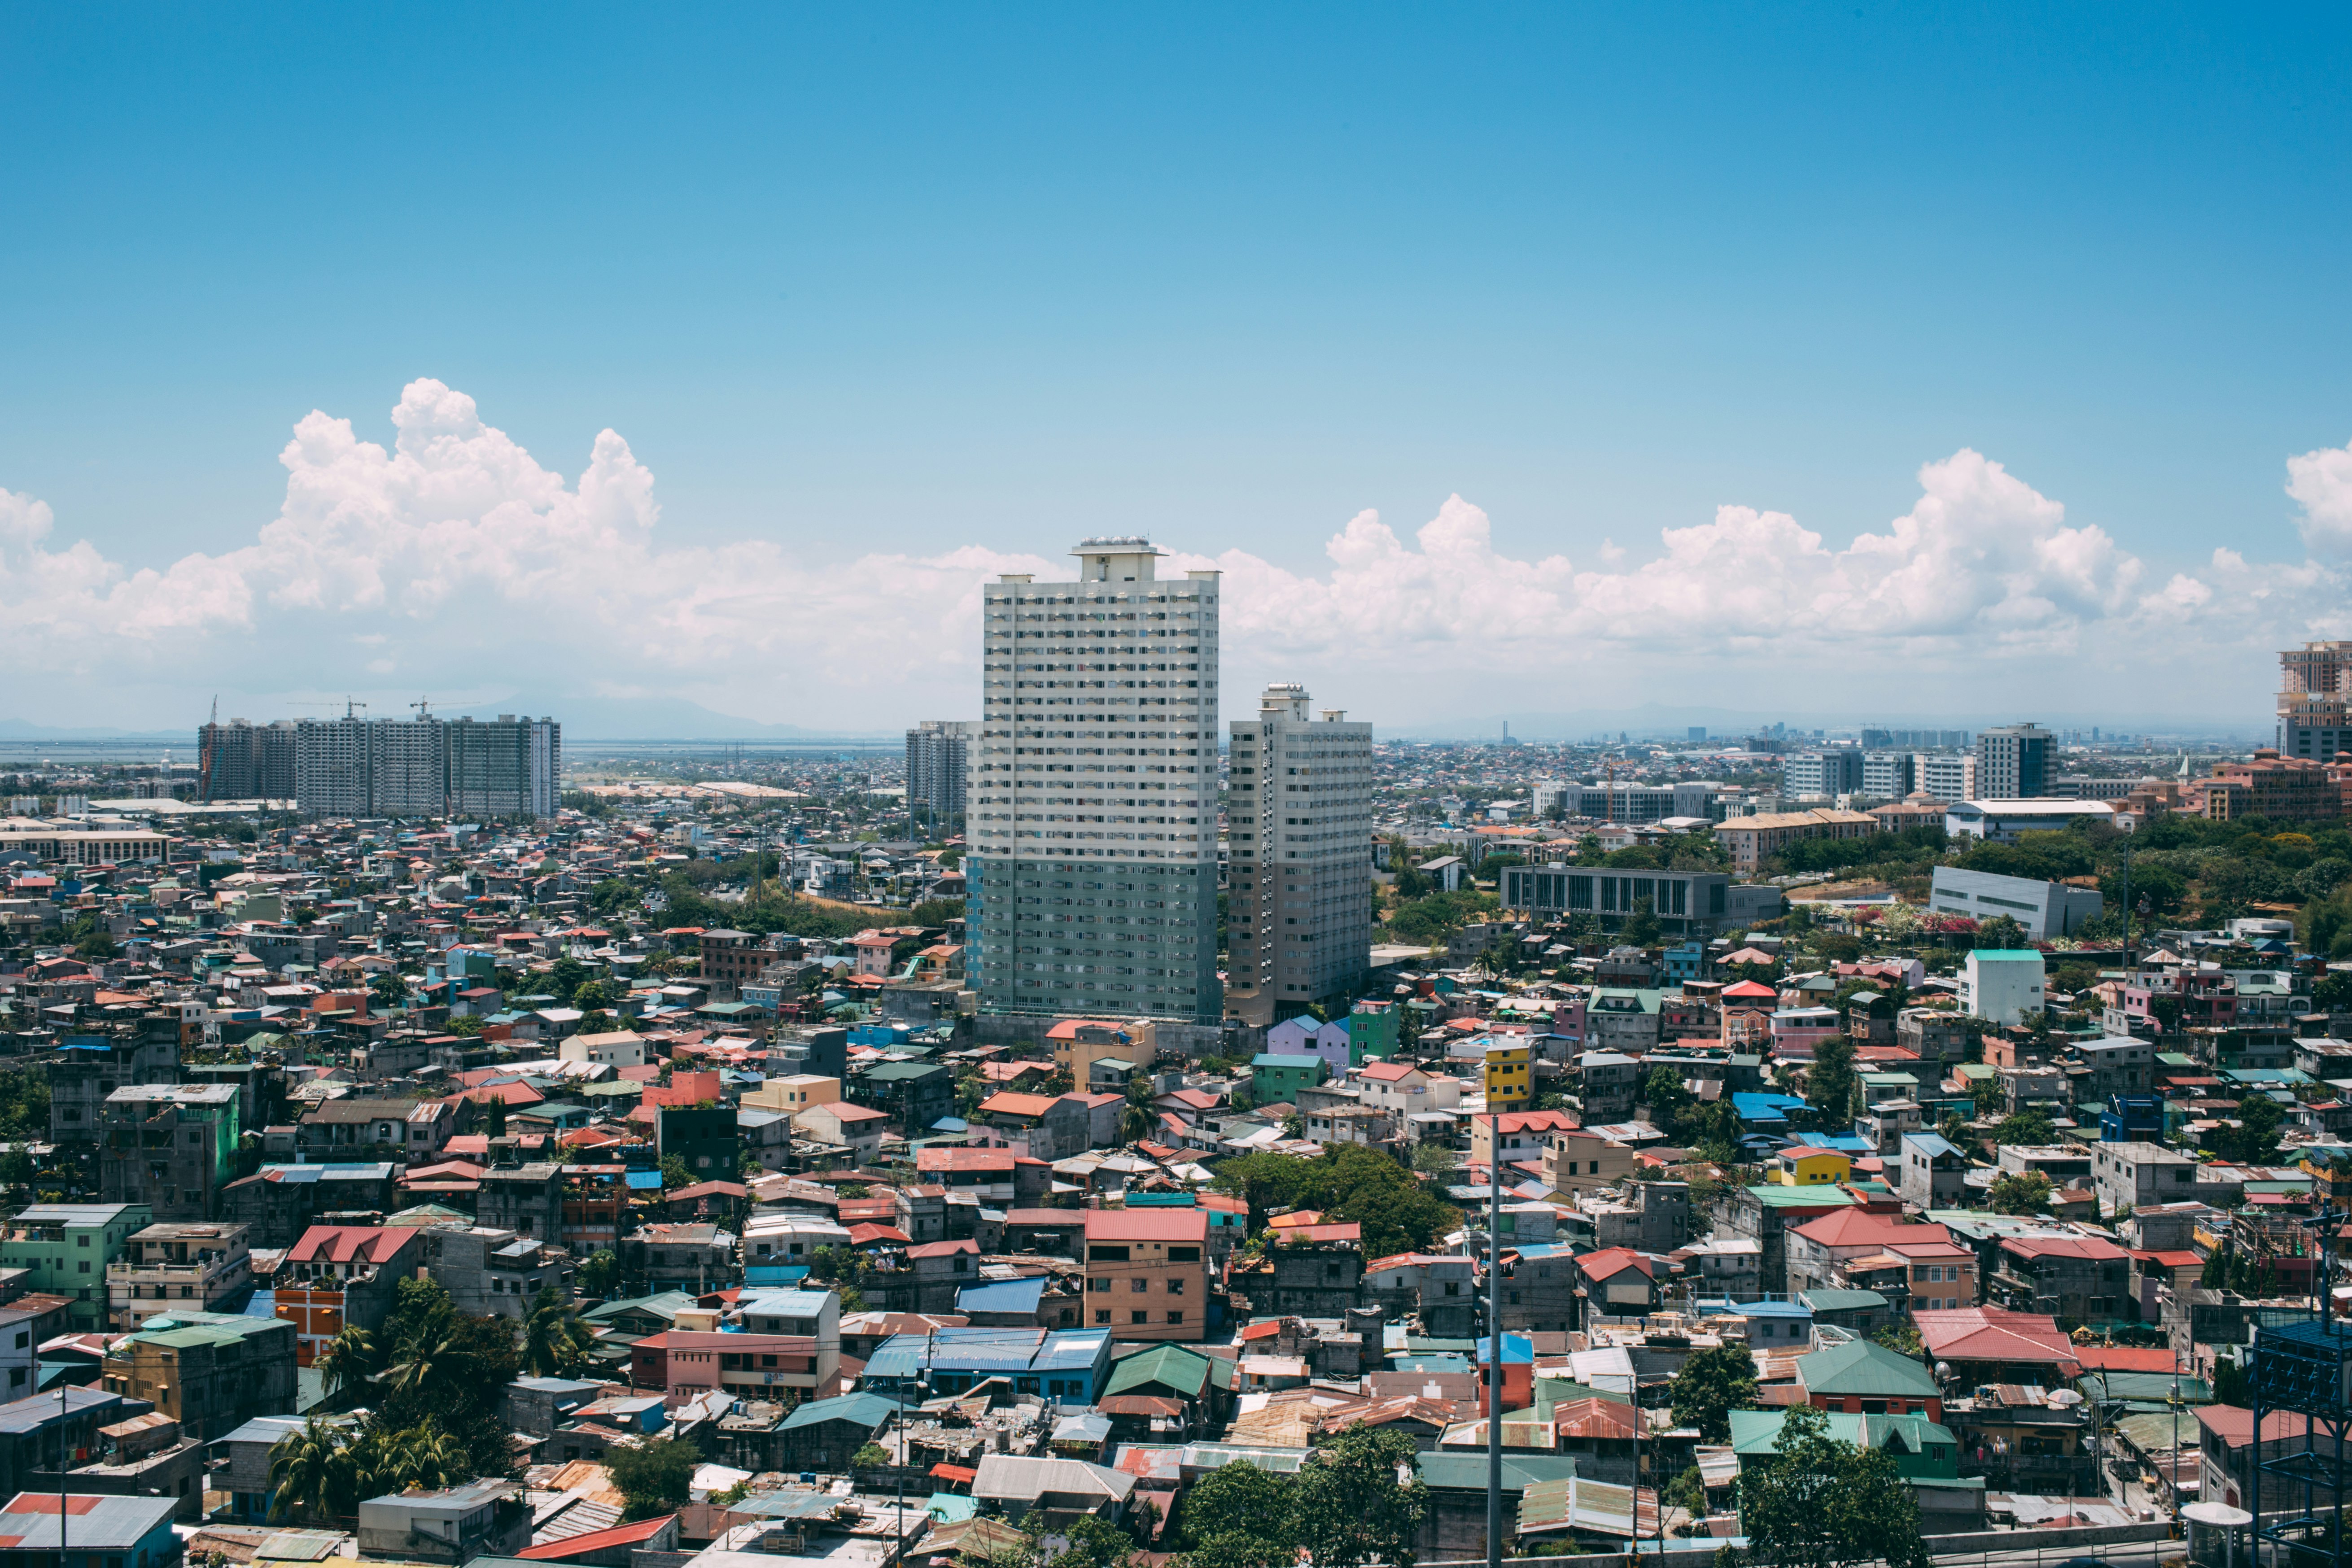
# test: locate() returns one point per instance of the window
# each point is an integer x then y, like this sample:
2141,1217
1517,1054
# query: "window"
1099,1287
1138,1286
1138,1316
1102,1317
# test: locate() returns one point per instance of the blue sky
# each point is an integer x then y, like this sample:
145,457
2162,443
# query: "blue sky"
916,282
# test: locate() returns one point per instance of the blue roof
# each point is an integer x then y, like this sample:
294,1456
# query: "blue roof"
1516,1348
1279,1059
1929,1144
1756,1308
787,1303
775,1273
262,1304
1542,1249
1001,1296
1840,1142
644,1181
1758,1107
988,1350
1431,1361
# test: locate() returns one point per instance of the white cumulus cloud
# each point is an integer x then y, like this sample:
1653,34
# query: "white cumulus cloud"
455,558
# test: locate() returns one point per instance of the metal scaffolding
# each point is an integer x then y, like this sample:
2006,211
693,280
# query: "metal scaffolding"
2304,1368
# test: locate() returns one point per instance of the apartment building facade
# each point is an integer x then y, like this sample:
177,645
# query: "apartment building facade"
1298,925
1092,882
1148,1272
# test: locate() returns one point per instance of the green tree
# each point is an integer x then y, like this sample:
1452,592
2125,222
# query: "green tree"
1900,1337
307,1473
1352,1184
1823,1503
554,1341
653,1474
1954,1130
388,991
2029,1129
1830,1082
674,1174
1714,1381
1351,1508
2255,1138
1434,1159
599,1274
1688,1491
2020,1192
16,1168
347,1363
2002,932
1238,1516
1663,1092
870,1457
1640,927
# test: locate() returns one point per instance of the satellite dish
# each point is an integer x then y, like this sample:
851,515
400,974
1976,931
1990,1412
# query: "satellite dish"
1943,1372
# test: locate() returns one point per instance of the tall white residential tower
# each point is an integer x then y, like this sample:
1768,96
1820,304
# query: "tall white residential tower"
1091,807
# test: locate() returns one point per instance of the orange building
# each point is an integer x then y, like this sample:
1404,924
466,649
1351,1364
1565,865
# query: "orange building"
340,1276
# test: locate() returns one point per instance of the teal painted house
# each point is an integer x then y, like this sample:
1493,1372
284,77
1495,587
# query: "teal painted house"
67,1248
1275,1078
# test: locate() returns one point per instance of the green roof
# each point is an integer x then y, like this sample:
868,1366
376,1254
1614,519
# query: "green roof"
2112,1386
1779,1198
868,1410
665,1306
892,1072
2019,953
1758,1433
1167,1366
1871,1371
1467,1471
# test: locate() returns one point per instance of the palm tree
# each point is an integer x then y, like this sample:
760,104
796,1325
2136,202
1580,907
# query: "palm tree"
426,1363
554,1343
347,1363
426,1455
306,1472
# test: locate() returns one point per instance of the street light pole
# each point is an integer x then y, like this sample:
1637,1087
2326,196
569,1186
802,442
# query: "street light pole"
1495,1341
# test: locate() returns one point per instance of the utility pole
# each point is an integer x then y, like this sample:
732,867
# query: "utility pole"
1495,1341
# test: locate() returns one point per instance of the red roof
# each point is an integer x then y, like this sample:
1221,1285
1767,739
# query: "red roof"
1863,1228
2235,1424
937,1159
943,1249
1993,1333
1261,1331
955,1473
1750,988
1008,1103
1529,1121
2088,1247
1613,1260
1147,1224
349,1244
866,1235
572,1546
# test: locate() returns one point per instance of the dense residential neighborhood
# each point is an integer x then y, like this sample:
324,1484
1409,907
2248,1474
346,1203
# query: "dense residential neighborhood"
692,1167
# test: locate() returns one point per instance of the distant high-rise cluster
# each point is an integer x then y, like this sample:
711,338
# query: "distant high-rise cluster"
2013,763
2314,702
938,756
243,761
424,766
1092,805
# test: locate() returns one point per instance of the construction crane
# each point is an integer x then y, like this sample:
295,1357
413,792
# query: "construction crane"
422,711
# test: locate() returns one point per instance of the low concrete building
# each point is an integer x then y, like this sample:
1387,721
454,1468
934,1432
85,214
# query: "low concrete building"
180,1266
490,1272
209,1372
480,1519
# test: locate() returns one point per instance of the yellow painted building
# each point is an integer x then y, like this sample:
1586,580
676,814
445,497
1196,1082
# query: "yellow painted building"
1804,1167
1509,1075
